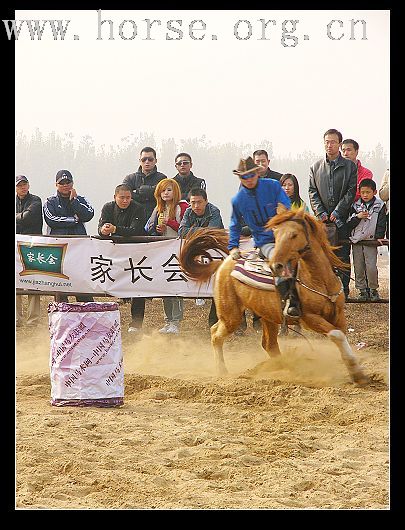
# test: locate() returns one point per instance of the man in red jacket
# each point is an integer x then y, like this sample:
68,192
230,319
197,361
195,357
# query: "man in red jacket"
350,150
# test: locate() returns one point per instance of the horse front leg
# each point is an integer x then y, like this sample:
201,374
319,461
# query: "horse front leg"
269,338
218,336
319,324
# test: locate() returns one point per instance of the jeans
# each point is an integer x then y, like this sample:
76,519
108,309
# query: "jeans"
137,311
344,254
173,307
32,311
64,298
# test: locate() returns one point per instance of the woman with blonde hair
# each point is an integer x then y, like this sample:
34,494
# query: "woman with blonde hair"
165,221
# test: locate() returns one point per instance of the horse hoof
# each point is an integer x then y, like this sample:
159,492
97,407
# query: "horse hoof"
361,379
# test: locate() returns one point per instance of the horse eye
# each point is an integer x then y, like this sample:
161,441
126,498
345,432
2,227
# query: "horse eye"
293,236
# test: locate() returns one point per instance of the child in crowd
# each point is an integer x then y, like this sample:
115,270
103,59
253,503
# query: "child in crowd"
165,221
290,185
367,221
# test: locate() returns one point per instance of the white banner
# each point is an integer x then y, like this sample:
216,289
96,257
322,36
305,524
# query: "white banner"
88,265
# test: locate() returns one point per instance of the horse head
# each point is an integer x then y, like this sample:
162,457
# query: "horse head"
292,240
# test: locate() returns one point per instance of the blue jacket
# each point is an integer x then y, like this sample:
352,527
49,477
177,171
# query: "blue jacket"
65,217
255,207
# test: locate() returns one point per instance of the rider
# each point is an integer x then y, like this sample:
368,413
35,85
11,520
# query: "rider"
255,204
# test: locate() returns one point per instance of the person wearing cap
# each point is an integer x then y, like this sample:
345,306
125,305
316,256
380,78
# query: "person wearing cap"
256,202
65,214
144,181
28,218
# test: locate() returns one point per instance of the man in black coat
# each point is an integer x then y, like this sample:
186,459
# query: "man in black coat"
332,188
261,158
28,218
125,217
144,181
185,178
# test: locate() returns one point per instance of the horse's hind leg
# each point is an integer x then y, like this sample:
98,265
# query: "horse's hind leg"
319,324
218,335
269,338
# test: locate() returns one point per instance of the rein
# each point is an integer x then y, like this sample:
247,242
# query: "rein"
332,297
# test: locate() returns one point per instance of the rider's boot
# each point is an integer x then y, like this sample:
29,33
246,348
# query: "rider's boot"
289,296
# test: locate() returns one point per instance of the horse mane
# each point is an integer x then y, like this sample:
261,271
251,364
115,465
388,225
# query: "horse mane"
316,228
194,258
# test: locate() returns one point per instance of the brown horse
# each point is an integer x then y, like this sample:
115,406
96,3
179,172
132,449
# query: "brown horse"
300,241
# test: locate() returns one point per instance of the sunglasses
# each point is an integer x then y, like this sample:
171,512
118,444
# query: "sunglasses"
248,176
147,159
183,163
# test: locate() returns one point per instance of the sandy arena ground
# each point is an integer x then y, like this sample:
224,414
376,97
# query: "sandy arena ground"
294,434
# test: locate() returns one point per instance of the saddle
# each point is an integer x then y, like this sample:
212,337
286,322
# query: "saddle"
254,271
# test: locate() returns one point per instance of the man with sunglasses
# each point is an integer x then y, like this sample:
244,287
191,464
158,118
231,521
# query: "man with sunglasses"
144,181
65,214
185,178
255,204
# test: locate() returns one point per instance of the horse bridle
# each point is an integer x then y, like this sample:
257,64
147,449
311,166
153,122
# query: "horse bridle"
304,225
305,249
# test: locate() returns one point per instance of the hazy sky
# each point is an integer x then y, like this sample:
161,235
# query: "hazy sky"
240,88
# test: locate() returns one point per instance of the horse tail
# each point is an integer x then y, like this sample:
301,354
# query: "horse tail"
194,258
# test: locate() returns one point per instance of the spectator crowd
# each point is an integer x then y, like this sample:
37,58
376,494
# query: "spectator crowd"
342,194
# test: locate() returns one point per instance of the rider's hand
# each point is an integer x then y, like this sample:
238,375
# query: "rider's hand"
235,253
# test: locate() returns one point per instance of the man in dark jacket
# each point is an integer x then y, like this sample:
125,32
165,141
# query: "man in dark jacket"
65,214
199,215
332,188
122,216
185,178
144,181
125,217
261,158
28,210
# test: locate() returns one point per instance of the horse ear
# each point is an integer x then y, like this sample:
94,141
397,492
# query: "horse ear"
281,208
300,212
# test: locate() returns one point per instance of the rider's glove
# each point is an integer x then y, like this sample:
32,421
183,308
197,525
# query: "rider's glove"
235,253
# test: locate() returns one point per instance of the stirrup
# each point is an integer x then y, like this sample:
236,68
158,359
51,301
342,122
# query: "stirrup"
287,307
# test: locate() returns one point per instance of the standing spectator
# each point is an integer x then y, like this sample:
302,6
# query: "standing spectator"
122,216
256,202
144,181
185,178
289,183
28,218
350,150
261,158
125,217
385,196
332,187
165,221
199,215
367,221
65,214
142,184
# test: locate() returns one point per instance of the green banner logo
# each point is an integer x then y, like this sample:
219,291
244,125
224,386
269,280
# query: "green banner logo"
42,258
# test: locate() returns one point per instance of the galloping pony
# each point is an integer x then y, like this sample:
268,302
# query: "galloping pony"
300,244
